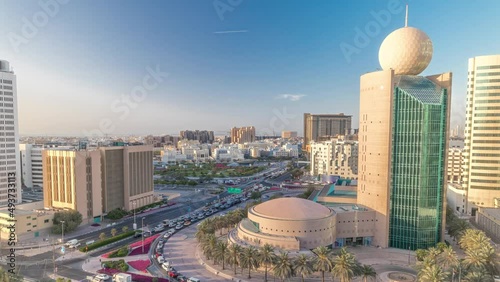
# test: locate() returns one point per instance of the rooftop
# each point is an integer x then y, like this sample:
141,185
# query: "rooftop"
292,208
494,212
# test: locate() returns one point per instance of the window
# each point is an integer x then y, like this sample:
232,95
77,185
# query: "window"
46,221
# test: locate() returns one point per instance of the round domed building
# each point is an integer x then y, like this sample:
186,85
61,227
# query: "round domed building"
288,224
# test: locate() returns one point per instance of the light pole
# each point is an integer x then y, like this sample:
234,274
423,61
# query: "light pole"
143,235
62,231
409,256
135,224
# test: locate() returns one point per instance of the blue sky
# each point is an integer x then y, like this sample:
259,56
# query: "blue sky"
83,58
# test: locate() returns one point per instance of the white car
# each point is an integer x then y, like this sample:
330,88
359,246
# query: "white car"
161,260
179,227
74,246
101,277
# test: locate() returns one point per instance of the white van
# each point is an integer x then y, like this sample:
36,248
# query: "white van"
71,242
193,279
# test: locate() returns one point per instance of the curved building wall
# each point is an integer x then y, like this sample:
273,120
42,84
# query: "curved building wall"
311,233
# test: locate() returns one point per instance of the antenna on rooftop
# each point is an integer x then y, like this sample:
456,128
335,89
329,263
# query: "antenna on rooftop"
406,18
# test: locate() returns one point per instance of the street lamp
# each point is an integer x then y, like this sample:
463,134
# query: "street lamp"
135,224
62,231
143,235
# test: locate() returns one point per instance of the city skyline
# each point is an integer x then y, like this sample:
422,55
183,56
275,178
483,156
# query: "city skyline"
239,75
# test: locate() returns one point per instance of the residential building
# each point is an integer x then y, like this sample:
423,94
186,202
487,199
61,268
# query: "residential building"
127,177
403,140
324,126
242,134
31,165
288,134
30,219
10,172
203,136
455,165
335,157
482,133
72,180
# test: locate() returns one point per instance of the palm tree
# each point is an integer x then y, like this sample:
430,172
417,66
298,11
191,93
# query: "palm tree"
483,258
250,259
234,255
113,232
283,267
478,276
124,229
323,261
200,234
220,252
303,265
102,236
266,258
344,265
208,245
367,271
432,273
448,258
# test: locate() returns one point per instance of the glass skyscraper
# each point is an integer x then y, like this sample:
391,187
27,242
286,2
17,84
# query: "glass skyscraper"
417,167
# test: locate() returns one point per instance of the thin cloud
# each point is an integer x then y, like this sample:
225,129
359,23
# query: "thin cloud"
230,31
291,97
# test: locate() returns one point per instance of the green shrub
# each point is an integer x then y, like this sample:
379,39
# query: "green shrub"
104,242
121,252
116,214
116,264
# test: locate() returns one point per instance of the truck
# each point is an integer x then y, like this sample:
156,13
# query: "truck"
122,277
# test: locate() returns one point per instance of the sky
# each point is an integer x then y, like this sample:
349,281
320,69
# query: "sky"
161,66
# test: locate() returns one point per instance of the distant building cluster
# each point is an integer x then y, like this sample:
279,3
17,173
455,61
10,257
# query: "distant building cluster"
203,136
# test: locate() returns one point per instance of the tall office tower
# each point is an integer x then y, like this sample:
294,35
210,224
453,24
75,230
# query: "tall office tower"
243,134
10,173
72,180
322,127
482,133
31,165
127,177
403,135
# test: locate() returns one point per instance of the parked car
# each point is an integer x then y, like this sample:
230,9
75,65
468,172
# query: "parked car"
161,259
173,274
179,227
187,223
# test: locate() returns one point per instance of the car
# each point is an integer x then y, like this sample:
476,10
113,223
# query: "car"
166,266
173,274
167,235
102,277
160,245
171,224
179,227
161,241
161,259
95,224
187,223
182,278
74,246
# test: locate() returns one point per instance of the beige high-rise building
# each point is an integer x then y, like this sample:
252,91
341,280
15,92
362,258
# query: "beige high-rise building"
334,157
72,180
403,140
127,177
324,126
243,134
455,165
482,133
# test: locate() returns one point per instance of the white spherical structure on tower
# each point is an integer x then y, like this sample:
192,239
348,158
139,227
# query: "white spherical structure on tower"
408,51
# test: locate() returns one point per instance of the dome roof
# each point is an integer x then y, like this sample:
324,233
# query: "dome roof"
408,51
292,208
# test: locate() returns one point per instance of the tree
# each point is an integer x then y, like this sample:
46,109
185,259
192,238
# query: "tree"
323,261
124,229
234,255
102,236
250,259
432,273
283,267
208,245
113,232
478,276
72,219
303,265
255,195
266,258
344,265
367,271
220,252
448,258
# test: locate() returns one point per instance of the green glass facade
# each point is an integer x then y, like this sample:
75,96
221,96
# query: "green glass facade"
418,163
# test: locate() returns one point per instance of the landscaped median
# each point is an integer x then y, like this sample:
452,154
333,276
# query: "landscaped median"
105,242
